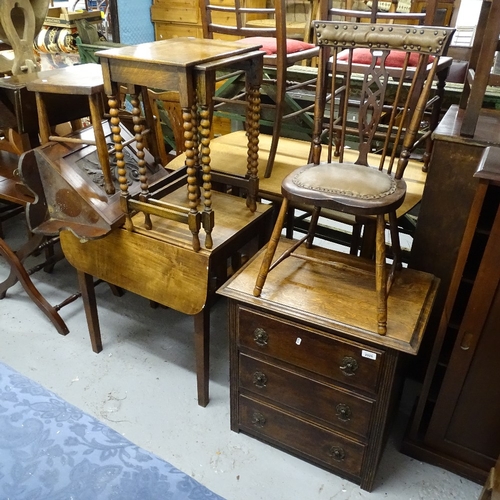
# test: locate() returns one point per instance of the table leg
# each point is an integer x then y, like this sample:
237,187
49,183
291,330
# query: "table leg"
202,353
87,289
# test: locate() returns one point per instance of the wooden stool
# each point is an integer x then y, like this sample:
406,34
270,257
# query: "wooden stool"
86,80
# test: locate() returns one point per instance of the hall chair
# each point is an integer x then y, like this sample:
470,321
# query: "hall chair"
281,54
360,183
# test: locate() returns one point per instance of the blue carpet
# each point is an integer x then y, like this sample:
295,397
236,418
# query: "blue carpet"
51,450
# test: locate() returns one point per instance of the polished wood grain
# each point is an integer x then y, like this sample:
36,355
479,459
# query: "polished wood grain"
302,288
228,155
455,422
305,374
168,264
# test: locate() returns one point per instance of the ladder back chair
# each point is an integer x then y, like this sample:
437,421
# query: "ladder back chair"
280,54
366,185
298,13
373,12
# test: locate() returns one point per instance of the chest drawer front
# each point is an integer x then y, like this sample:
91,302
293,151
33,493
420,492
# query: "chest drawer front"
164,31
339,359
311,442
334,406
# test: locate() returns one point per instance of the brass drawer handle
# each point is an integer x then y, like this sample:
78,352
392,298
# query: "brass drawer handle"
344,413
260,380
349,366
258,420
337,453
260,336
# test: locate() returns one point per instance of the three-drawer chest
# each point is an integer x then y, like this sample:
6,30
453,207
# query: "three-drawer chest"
308,378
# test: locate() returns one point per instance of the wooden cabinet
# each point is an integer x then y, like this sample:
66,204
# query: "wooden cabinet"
457,418
309,391
308,380
174,18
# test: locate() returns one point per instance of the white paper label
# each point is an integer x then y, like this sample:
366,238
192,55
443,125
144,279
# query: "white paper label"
368,354
298,341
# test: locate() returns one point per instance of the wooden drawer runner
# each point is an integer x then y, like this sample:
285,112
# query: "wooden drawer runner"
312,442
336,407
341,360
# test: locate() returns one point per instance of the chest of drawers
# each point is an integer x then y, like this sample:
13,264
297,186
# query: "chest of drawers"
303,382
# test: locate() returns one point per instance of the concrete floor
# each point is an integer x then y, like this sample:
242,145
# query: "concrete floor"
143,386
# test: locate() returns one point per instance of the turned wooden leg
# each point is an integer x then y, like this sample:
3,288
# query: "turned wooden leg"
190,142
86,282
202,353
380,276
253,117
271,250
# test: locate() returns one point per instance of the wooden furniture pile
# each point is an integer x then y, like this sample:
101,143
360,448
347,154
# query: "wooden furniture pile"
153,223
309,371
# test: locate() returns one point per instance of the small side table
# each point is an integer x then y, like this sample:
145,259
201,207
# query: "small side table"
79,80
187,65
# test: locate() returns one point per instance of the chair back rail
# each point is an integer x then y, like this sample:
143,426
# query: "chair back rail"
388,97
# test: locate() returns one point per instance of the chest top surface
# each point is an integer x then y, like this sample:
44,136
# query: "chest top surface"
325,290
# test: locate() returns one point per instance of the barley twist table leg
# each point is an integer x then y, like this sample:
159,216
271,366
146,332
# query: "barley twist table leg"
139,139
120,163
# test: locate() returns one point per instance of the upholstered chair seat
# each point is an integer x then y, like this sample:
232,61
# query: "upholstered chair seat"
340,185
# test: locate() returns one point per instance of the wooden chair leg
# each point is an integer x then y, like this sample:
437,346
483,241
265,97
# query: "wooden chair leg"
278,119
380,276
271,249
312,227
86,282
396,249
202,353
43,119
